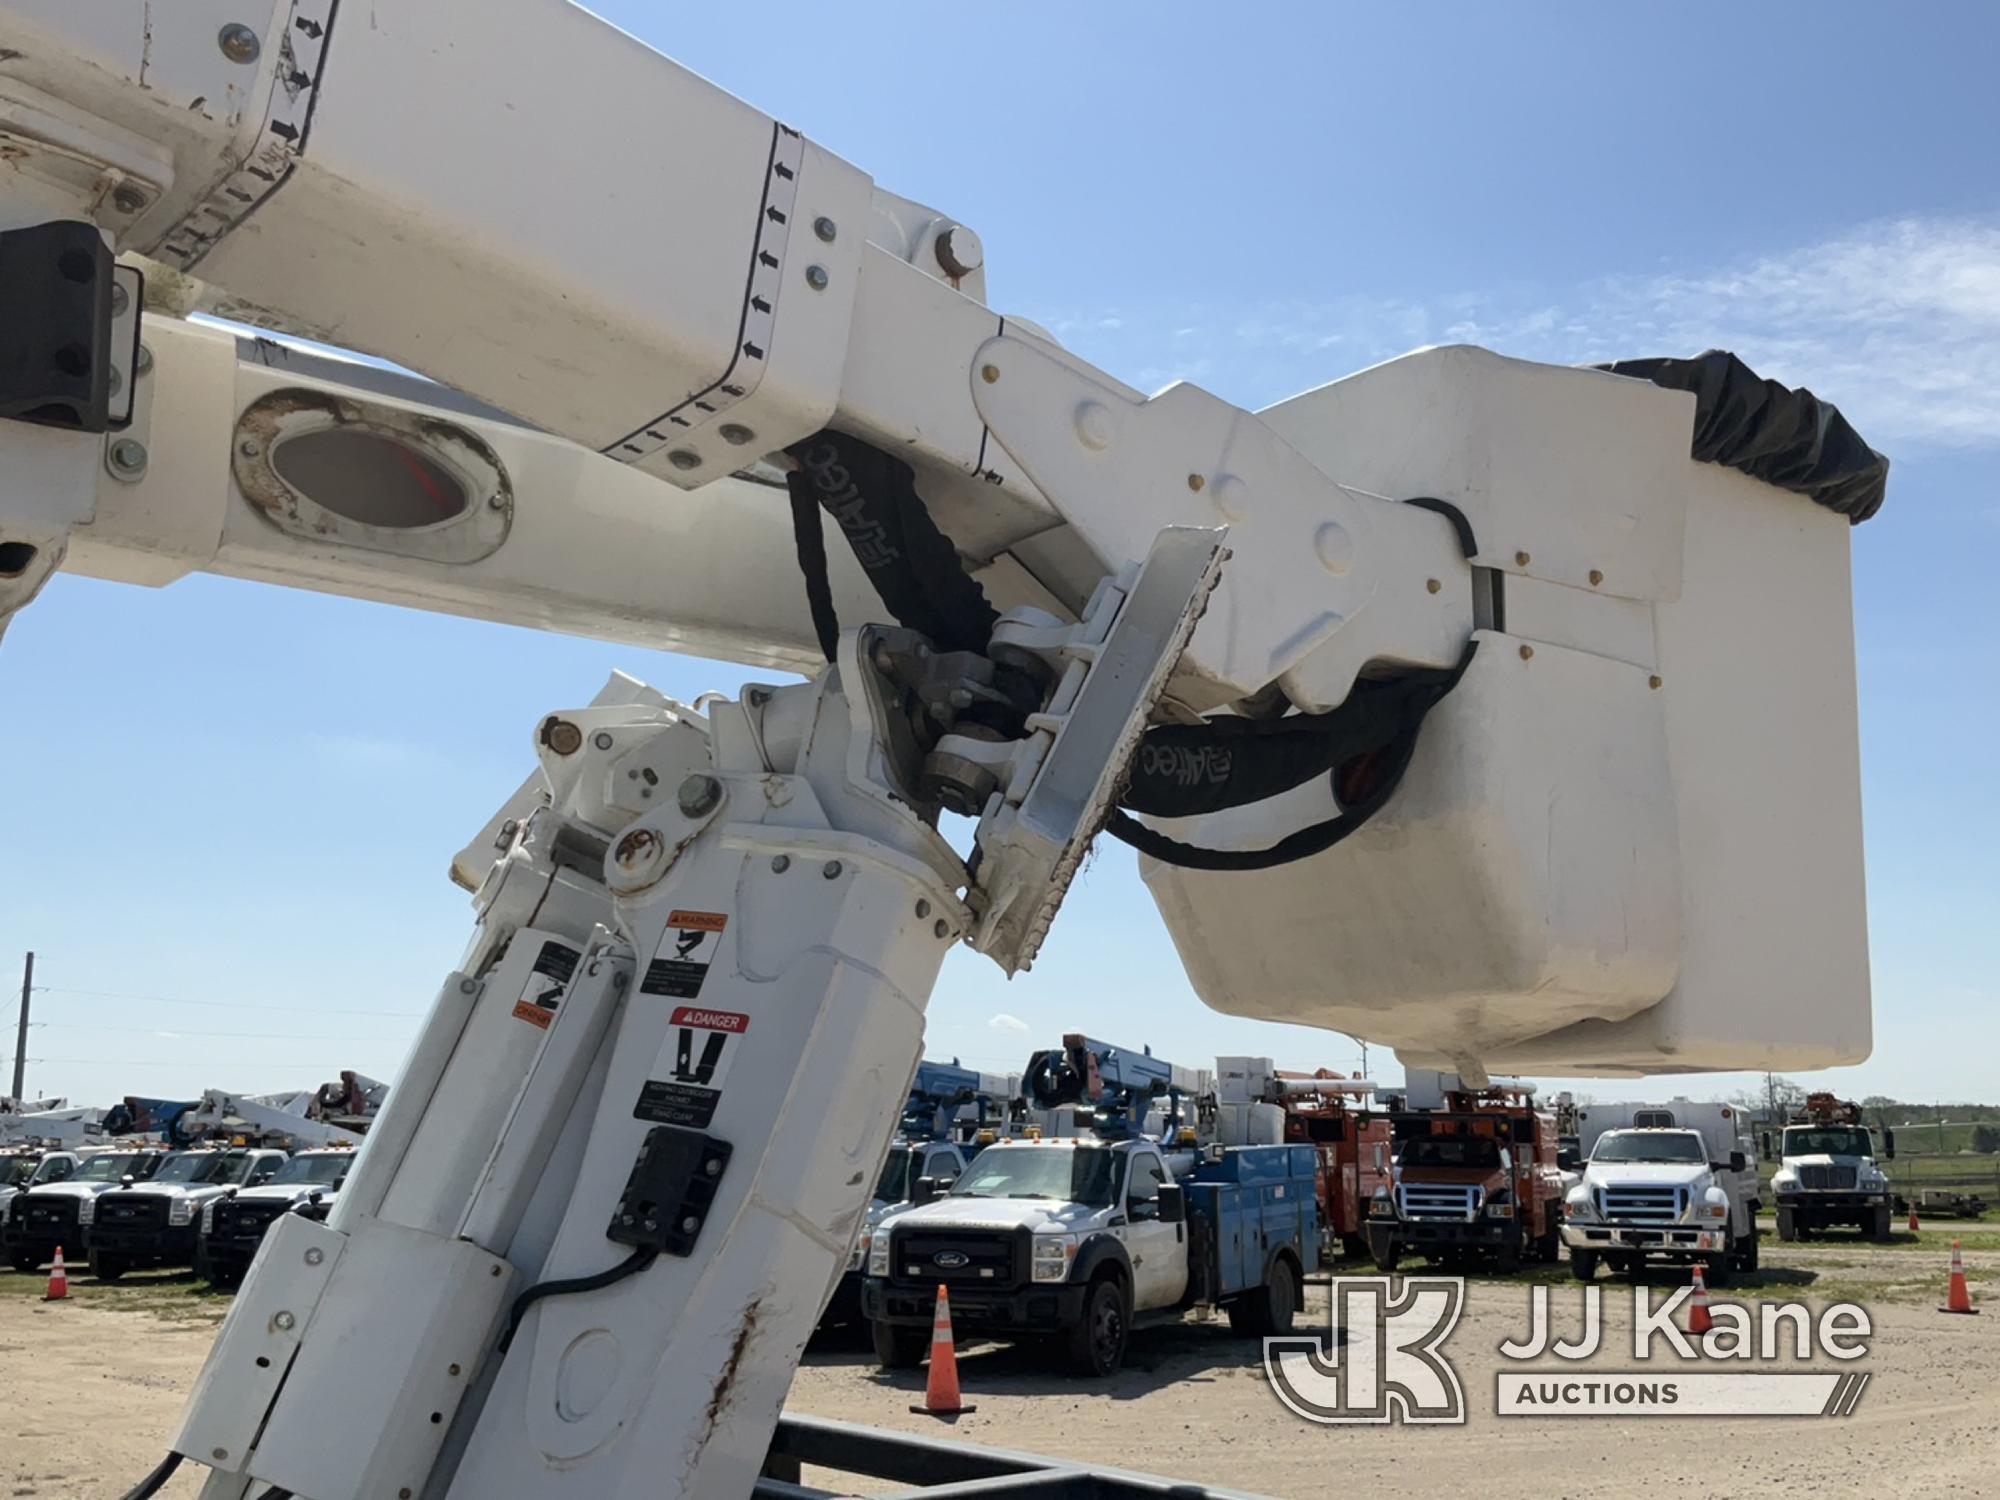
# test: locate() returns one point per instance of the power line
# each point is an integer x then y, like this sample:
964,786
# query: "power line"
175,1035
154,1062
323,1010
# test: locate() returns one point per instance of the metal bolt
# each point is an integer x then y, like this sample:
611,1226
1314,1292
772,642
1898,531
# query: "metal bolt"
712,1167
1432,585
145,358
825,228
690,1224
958,251
249,448
126,459
831,869
496,502
698,794
923,908
651,1225
453,1370
602,740
283,1320
493,1271
314,1256
1527,652
942,927
116,382
1196,483
1596,576
816,278
990,374
562,736
239,43
219,1453
1520,559
128,198
735,434
467,986
684,458
1652,682
780,863
120,299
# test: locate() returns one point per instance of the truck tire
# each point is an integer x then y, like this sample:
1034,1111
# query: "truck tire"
1716,1268
1549,1248
25,1261
897,1347
1788,1229
1095,1347
1583,1264
1878,1229
1746,1250
109,1267
1386,1258
1268,1309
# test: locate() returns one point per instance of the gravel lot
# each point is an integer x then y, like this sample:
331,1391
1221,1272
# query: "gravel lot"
91,1389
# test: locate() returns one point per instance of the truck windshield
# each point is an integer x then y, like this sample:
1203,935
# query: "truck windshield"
317,1171
108,1168
204,1167
1477,1151
1082,1174
14,1173
1661,1146
894,1184
1828,1140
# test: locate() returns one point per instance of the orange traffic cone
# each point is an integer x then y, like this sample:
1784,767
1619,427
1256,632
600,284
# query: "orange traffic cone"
1914,1225
1699,1321
58,1280
1959,1298
941,1392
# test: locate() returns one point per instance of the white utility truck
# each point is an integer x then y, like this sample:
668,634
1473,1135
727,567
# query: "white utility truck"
233,1224
1674,1181
1499,712
1079,1240
1828,1173
155,1222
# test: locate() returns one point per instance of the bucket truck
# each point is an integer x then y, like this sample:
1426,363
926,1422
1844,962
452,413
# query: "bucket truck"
1082,1239
1828,1172
952,1114
1465,704
1327,1111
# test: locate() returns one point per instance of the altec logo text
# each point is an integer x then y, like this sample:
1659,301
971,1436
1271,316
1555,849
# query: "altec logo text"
1383,1359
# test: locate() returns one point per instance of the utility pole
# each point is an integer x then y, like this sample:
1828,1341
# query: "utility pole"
21,1038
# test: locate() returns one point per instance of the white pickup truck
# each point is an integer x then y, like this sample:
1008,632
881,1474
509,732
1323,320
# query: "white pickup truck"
909,1162
1660,1192
1080,1238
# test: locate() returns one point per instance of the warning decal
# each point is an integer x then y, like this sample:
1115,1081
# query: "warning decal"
701,1044
546,982
686,950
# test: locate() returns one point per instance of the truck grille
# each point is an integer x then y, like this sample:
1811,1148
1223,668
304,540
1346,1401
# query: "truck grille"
246,1221
1642,1205
996,1257
1437,1201
132,1211
45,1216
1812,1176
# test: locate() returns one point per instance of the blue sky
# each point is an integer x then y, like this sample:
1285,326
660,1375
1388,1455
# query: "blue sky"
232,805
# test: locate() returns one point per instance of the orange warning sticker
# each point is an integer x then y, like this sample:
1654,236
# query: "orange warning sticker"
698,921
526,1010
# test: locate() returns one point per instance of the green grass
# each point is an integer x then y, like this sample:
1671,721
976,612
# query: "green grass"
175,1297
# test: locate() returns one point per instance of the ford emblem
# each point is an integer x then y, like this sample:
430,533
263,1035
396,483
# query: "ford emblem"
950,1260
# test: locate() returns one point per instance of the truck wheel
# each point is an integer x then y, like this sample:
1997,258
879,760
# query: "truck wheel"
1746,1250
109,1267
1879,1227
1583,1264
1095,1347
897,1347
1715,1269
1549,1248
25,1261
1788,1229
1270,1308
1385,1252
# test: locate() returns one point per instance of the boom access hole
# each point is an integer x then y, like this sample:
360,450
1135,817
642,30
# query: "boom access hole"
370,477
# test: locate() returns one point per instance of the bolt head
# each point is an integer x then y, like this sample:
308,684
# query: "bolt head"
941,927
825,228
780,863
990,374
711,1166
684,458
690,1224
699,794
602,740
923,908
959,252
145,358
127,458
120,299
284,1320
239,43
315,1255
816,278
735,434
831,869
562,736
128,198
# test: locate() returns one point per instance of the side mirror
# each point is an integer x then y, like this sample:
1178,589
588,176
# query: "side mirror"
1888,1145
127,1180
924,1190
1738,1162
230,1192
1173,1203
1142,1210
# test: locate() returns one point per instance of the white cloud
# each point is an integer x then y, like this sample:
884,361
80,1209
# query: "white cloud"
1897,322
1005,1022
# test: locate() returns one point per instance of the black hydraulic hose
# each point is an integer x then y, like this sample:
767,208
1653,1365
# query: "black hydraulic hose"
632,1265
146,1488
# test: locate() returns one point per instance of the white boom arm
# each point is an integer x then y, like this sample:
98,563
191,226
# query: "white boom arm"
594,1223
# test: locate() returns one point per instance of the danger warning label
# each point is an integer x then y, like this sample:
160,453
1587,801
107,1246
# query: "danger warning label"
701,1045
547,980
686,950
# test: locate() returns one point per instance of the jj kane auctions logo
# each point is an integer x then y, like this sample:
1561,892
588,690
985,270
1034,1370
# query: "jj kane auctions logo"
1383,1359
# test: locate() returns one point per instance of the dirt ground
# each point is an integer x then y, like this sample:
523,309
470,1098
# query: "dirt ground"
91,1389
